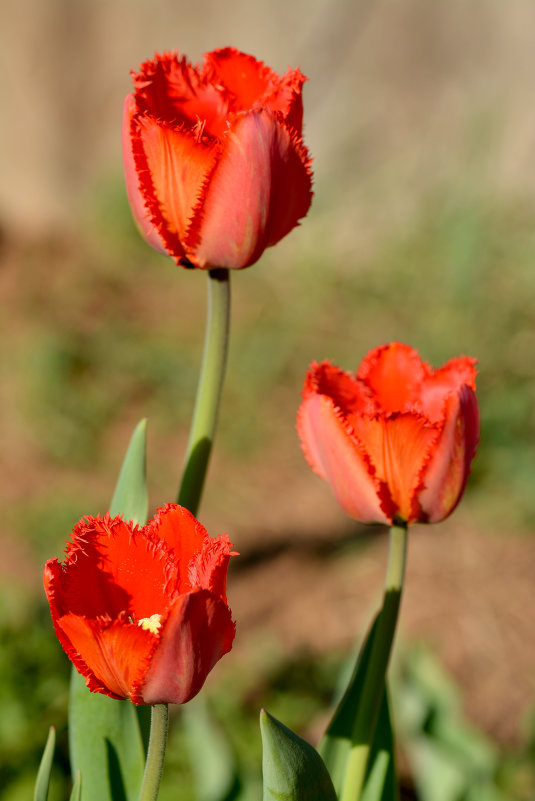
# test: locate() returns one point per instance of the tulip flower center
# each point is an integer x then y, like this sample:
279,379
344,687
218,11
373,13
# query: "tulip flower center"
152,623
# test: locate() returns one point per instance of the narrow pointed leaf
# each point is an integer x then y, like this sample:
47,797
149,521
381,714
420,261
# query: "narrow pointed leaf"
380,784
130,498
76,792
42,782
105,741
292,769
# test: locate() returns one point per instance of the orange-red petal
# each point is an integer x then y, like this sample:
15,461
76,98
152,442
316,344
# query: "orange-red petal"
182,533
171,90
197,633
250,82
245,78
257,192
447,380
338,457
172,165
398,447
446,473
113,656
140,212
120,569
394,374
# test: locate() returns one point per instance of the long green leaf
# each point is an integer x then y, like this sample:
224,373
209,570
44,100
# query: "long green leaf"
131,498
380,784
42,782
292,769
105,741
76,793
381,780
212,759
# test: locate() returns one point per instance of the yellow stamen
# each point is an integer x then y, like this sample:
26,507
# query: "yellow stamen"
151,623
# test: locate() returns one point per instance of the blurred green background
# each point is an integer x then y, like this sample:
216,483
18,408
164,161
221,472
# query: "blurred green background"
421,121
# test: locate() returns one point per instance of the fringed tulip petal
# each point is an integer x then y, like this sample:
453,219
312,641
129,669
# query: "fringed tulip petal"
398,447
215,167
172,166
113,656
123,595
119,567
140,212
338,457
264,165
445,478
250,82
398,435
245,78
181,532
394,374
446,380
197,633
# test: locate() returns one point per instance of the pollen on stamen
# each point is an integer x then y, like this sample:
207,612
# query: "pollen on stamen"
152,623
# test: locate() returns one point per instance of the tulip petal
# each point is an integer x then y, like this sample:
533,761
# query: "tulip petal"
251,82
246,78
140,212
259,189
394,374
197,633
171,90
208,568
447,471
338,457
447,380
171,165
348,394
113,656
398,448
183,533
120,569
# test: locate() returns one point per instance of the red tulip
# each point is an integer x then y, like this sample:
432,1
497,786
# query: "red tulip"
396,441
216,169
142,612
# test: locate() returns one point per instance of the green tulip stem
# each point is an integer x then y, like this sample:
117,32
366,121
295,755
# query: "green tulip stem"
374,681
200,443
156,752
209,390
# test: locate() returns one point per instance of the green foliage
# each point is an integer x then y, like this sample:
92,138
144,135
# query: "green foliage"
105,740
42,781
292,769
450,759
380,782
131,498
213,762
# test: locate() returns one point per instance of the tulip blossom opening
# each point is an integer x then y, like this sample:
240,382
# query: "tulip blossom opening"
396,440
215,165
103,598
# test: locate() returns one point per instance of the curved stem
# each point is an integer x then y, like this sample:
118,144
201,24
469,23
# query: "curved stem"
156,753
374,682
209,390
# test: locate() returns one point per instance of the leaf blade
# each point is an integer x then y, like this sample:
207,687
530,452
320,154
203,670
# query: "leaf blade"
42,781
292,769
105,741
380,783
